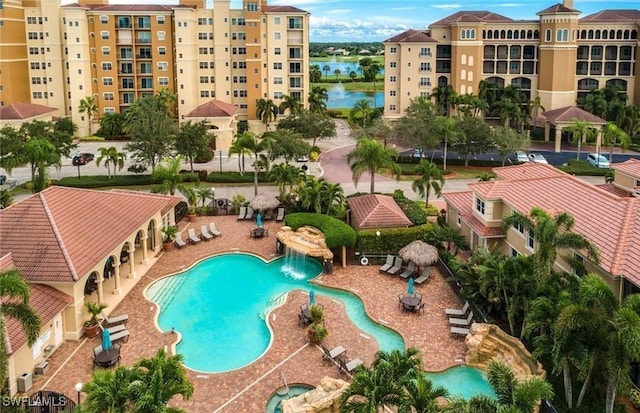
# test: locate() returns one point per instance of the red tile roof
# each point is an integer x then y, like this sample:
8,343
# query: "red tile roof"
59,234
557,8
213,109
472,16
613,16
377,211
629,167
47,303
282,9
23,110
463,203
134,8
412,36
527,170
569,113
616,190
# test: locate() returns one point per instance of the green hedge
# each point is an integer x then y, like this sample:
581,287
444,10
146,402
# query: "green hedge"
337,233
236,178
101,181
391,239
412,209
580,167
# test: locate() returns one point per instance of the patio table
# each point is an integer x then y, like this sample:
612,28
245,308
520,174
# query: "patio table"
410,302
108,358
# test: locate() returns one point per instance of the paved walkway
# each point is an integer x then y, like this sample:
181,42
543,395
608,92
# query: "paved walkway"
248,389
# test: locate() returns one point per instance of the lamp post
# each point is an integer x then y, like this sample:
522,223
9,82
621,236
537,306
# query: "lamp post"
78,390
220,155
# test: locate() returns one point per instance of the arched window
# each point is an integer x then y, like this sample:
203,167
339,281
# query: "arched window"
463,34
583,34
473,33
605,34
496,34
547,35
529,34
443,81
634,34
619,83
523,34
516,34
490,34
463,74
469,90
470,76
612,34
565,35
536,34
590,34
463,59
484,34
503,34
626,34
462,89
470,61
619,34
509,34
597,34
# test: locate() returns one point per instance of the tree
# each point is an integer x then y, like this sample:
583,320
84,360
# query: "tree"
111,156
612,135
337,73
310,125
7,196
508,141
110,391
168,176
65,125
445,128
326,69
371,390
112,126
430,177
310,194
377,129
445,96
291,104
422,396
192,140
151,131
524,395
238,147
362,109
473,136
267,111
416,128
579,129
89,106
286,175
14,291
286,144
330,195
315,75
256,147
507,109
370,156
318,97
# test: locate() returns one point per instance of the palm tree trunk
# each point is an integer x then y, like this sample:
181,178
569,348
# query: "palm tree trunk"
255,180
586,383
444,159
568,391
579,145
373,179
611,397
191,162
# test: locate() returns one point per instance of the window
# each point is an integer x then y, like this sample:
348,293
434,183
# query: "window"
104,35
202,36
562,35
393,49
37,95
146,83
514,252
163,66
106,50
161,36
32,20
106,66
107,96
277,66
392,93
277,95
204,65
104,19
392,79
425,52
203,50
162,51
519,228
468,34
530,239
202,21
204,79
277,80
480,205
107,81
34,50
204,93
163,81
547,35
35,65
276,20
160,19
425,81
277,51
459,220
392,65
109,110
276,36
252,7
35,81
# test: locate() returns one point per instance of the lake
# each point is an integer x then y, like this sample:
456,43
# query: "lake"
340,98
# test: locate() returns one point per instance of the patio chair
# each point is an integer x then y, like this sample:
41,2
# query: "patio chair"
118,319
280,215
400,297
179,241
268,215
117,328
97,350
243,213
193,238
411,269
332,355
457,311
420,308
388,264
462,321
460,330
120,335
250,212
397,266
418,296
213,230
424,276
348,367
204,233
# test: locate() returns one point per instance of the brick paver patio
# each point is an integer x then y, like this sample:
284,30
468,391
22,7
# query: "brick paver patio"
290,357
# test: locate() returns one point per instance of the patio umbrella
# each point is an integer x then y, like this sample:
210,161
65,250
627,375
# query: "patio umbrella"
312,297
259,220
410,289
421,253
106,340
262,202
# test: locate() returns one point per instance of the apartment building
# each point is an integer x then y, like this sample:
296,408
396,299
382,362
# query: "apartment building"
57,55
559,57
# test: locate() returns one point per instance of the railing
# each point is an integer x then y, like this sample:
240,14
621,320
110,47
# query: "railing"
477,313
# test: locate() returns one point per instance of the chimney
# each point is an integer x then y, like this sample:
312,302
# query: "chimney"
568,4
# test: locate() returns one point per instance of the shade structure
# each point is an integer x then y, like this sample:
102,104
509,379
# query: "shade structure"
259,220
106,340
421,253
312,297
410,287
262,202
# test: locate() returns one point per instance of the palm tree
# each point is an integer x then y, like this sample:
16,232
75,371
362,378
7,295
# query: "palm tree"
310,194
430,177
239,147
168,175
256,147
371,391
450,238
290,103
337,73
326,69
89,106
315,75
551,233
363,108
204,193
447,128
330,195
535,106
111,156
521,395
507,108
318,97
444,96
286,175
14,291
267,111
7,196
110,391
399,363
370,156
580,129
611,135
422,396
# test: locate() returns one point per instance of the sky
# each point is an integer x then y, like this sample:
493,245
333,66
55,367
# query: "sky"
378,20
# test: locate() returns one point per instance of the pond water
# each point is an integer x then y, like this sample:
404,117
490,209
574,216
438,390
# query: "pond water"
340,98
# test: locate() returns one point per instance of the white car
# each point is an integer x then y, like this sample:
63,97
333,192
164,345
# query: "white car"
598,160
537,158
521,157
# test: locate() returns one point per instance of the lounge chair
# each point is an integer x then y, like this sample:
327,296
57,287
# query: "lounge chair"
280,215
118,319
400,297
213,230
332,355
193,238
97,350
460,330
117,328
388,264
249,213
268,215
462,321
204,233
411,269
397,266
424,276
120,335
179,241
457,311
348,367
243,213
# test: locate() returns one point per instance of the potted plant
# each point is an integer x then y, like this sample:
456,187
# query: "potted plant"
92,326
192,201
169,237
317,332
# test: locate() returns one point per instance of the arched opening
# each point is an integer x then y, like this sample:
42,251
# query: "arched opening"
583,34
509,34
503,34
621,84
524,84
626,34
605,34
496,34
443,81
585,86
529,34
634,34
590,34
536,34
498,81
612,34
619,34
151,235
91,285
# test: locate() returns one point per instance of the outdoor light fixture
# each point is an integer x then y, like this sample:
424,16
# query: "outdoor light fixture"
378,234
78,389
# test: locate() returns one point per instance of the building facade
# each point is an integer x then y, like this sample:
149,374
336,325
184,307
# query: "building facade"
560,57
56,56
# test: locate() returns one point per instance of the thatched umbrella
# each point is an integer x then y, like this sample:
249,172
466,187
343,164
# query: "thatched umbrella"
262,202
421,253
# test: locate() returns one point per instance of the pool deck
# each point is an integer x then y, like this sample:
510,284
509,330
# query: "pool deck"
290,356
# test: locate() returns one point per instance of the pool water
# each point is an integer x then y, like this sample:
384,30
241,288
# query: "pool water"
273,405
463,381
219,307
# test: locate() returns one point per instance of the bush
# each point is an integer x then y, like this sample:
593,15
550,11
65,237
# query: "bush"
92,139
634,397
411,209
205,156
580,167
99,181
137,168
236,178
391,239
337,233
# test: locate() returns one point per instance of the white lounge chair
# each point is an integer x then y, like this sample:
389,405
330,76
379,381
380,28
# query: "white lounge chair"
388,264
424,276
243,213
411,268
350,366
457,311
280,216
397,266
249,213
120,335
116,328
179,241
330,356
193,238
213,230
118,319
460,330
204,233
462,321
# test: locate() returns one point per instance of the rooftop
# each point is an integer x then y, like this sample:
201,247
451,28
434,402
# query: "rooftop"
23,111
629,167
377,211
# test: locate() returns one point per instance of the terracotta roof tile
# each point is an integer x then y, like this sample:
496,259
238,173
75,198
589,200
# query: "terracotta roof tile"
557,8
463,202
613,16
6,262
130,7
23,110
412,36
472,16
213,109
615,190
569,113
282,9
527,170
61,233
377,211
47,302
629,167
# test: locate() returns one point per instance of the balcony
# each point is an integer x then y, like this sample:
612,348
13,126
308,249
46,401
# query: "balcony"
143,56
424,85
424,55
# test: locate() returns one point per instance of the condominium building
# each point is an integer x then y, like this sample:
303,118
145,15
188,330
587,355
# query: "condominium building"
57,55
559,57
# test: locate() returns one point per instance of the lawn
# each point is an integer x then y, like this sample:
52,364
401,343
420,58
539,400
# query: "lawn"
353,86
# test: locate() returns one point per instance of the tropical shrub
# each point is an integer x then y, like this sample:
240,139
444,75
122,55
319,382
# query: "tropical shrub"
580,167
391,239
337,233
99,181
411,209
235,177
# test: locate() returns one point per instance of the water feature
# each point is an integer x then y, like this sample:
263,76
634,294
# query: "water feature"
462,381
294,263
284,393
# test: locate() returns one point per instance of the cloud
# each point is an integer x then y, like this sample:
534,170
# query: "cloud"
375,29
338,11
446,6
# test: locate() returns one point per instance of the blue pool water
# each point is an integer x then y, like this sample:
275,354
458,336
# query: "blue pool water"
219,307
273,405
462,381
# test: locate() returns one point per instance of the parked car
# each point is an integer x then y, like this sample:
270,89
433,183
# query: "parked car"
417,153
3,179
82,158
537,158
521,157
598,160
303,158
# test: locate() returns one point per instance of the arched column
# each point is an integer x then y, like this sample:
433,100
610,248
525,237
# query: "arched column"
132,263
558,141
143,243
117,289
598,138
547,131
100,289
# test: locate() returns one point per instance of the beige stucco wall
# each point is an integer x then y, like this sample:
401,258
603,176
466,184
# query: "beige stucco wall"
625,181
14,66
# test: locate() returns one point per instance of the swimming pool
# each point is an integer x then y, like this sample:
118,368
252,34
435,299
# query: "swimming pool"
463,381
219,307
